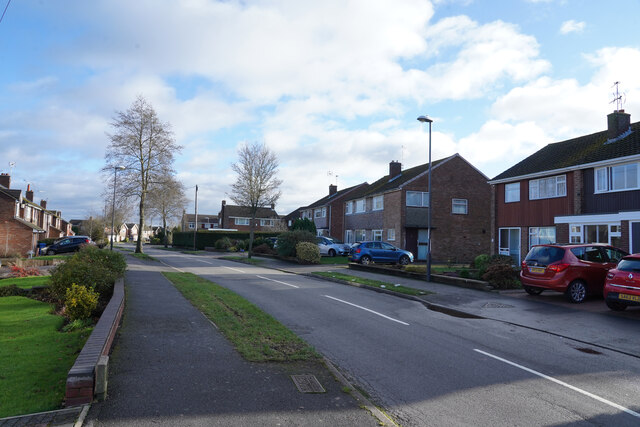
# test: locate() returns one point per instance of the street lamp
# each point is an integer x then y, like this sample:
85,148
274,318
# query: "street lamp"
425,119
113,207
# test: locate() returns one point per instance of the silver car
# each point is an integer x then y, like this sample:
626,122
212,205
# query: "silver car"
332,247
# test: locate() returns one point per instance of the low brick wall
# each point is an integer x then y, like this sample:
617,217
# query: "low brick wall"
438,278
82,376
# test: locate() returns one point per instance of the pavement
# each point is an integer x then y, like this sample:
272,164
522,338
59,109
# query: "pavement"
171,366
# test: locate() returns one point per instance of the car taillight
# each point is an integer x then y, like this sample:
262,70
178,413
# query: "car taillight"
558,267
358,250
524,264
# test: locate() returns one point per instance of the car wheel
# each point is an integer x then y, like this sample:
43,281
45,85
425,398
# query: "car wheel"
577,291
532,290
332,252
51,252
404,260
615,306
366,260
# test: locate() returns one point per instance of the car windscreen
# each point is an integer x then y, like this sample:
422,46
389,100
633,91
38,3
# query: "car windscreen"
334,241
544,255
629,265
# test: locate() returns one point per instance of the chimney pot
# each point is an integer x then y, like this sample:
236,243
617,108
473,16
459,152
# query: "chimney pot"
43,203
333,189
5,180
395,169
618,123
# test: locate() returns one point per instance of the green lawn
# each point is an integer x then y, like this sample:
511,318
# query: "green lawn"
26,282
257,336
34,356
144,257
371,282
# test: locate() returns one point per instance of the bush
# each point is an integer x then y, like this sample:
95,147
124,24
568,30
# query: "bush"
12,291
502,276
80,302
242,245
155,241
223,244
264,248
304,224
287,241
480,263
465,274
92,267
308,253
24,272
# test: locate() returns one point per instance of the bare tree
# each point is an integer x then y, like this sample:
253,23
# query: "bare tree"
145,146
257,185
167,200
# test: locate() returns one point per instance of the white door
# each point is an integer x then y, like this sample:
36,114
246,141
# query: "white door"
509,243
423,244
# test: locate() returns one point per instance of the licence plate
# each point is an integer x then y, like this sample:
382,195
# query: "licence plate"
537,270
627,297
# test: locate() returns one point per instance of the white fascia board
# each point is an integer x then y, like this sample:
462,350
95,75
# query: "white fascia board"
568,169
598,218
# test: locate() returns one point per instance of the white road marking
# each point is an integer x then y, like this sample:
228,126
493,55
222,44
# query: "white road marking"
278,281
234,269
369,310
200,260
562,383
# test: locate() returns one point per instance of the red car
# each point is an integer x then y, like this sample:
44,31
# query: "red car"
577,270
622,287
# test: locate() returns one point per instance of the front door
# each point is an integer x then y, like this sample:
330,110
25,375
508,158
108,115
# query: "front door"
509,243
635,237
423,244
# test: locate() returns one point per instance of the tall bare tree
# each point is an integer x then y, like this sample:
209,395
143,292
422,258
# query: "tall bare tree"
257,184
145,146
167,200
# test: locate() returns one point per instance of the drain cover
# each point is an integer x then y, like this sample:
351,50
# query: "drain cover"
307,384
496,305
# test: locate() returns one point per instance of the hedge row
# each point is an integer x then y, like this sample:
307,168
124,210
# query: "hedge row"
205,239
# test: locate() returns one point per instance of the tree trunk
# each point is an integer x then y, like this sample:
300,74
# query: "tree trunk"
140,226
164,229
251,227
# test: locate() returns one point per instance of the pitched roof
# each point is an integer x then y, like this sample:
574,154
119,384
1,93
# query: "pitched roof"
201,218
330,198
576,152
245,212
387,183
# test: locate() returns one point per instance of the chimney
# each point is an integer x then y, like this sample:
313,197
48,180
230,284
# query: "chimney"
43,203
273,206
395,169
221,219
5,180
618,124
29,193
333,189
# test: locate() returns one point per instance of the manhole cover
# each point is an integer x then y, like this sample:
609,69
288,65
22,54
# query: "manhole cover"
307,384
496,305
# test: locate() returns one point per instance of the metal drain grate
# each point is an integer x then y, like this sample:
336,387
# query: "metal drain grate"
496,305
307,384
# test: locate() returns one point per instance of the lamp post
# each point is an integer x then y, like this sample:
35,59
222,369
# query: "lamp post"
425,119
195,228
113,206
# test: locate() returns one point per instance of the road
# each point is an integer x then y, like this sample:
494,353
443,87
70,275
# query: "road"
429,368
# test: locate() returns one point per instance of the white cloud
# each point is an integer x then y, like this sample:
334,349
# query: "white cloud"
572,26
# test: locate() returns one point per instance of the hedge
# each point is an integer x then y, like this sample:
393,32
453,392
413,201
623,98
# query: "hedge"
207,239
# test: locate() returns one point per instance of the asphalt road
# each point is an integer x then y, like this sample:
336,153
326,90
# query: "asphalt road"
429,368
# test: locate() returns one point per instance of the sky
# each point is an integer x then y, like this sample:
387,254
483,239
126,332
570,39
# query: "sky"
334,87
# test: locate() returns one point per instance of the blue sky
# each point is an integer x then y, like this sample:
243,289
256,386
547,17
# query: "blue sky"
333,87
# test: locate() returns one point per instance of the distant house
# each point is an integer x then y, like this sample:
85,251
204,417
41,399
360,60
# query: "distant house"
394,209
583,190
132,231
205,222
23,222
291,217
239,218
328,212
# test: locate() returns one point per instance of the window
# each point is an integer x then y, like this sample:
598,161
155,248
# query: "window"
349,208
617,178
324,212
546,188
459,206
360,205
596,233
418,198
318,213
361,235
192,225
391,234
541,235
266,222
242,221
348,236
377,235
378,203
512,192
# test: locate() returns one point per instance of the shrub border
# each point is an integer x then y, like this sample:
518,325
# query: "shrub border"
81,379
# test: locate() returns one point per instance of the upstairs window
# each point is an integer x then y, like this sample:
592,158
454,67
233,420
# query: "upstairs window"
318,213
512,192
459,206
349,208
378,203
617,178
418,199
547,188
360,205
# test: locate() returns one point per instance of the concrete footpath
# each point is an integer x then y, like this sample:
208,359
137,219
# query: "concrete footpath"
171,366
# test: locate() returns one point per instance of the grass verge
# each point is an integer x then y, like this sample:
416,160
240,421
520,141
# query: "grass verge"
374,283
144,256
25,282
257,336
334,260
34,356
244,259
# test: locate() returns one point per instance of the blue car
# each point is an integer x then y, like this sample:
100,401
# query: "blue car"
381,252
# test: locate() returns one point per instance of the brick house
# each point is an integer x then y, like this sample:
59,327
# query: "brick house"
239,218
582,190
327,213
394,209
23,222
205,222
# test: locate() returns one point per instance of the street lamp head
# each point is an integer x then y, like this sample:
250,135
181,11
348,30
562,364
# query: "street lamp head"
425,119
120,168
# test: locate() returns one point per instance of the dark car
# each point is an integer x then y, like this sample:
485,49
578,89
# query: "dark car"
368,252
577,270
622,287
67,244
